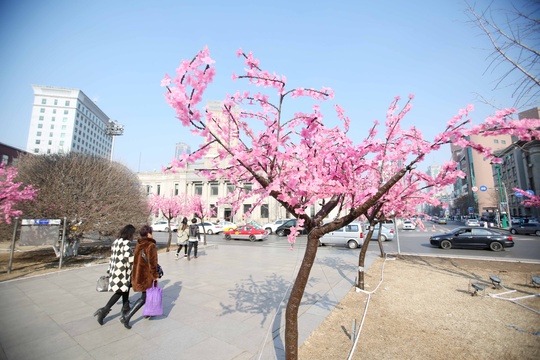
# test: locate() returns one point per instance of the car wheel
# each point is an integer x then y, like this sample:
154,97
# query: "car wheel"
537,233
514,232
166,229
351,244
252,238
320,243
496,246
383,238
446,244
280,233
268,230
228,237
209,232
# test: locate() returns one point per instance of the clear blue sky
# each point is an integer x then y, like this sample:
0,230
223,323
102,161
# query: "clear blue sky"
118,51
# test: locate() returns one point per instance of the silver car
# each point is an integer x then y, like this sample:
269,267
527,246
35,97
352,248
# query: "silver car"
386,234
350,236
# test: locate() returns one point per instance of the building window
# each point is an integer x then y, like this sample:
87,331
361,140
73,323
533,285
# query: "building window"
248,187
38,133
503,141
38,142
230,188
5,159
50,134
40,126
53,119
50,142
158,190
48,151
66,112
42,110
41,118
54,111
52,127
43,101
247,207
214,189
67,102
62,143
264,211
55,101
36,151
64,127
213,209
64,119
496,141
63,135
198,188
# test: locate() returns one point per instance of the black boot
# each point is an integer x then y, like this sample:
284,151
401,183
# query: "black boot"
125,319
125,309
101,313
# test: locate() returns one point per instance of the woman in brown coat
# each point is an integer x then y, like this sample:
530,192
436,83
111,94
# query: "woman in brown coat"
144,273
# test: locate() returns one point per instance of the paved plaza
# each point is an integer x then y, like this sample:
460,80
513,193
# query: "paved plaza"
227,304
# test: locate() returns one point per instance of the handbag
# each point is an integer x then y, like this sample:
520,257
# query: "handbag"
103,283
153,305
181,237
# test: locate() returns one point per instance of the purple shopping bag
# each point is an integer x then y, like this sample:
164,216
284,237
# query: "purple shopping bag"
153,305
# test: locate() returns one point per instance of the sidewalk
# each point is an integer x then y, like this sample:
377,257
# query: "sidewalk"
227,304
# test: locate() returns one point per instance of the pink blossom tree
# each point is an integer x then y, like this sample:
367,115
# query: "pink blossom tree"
301,162
170,208
12,193
530,200
201,210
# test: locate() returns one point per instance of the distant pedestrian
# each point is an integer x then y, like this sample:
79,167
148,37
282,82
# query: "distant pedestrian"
182,237
145,265
119,272
194,237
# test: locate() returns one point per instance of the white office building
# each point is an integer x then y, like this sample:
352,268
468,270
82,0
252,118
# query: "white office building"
65,120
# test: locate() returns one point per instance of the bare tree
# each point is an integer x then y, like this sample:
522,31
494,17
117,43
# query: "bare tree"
94,194
514,34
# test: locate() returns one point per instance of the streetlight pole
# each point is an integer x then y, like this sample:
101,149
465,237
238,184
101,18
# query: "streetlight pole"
114,129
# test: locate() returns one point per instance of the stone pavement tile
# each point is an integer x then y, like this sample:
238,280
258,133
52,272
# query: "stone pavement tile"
104,336
33,328
131,347
11,296
47,345
212,348
72,353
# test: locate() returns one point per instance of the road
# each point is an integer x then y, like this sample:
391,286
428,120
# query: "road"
527,248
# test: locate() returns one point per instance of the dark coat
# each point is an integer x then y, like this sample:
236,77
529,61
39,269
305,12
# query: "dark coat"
144,273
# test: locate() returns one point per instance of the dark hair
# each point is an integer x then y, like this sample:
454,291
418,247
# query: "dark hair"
184,220
127,232
145,230
194,220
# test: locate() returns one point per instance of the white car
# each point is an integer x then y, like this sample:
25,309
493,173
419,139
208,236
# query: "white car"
226,225
164,226
209,228
472,222
408,225
272,227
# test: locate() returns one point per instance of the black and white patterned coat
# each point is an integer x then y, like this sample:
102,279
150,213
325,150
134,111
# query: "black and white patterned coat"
120,266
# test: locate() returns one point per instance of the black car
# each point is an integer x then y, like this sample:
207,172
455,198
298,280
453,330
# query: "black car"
473,237
527,229
285,228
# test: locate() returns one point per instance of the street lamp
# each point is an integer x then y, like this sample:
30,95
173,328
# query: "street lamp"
114,129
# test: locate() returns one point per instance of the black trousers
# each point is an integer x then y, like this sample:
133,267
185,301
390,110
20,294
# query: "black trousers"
192,244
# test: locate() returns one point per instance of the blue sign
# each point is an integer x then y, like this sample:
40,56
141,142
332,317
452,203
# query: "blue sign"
471,209
483,188
41,222
518,194
530,192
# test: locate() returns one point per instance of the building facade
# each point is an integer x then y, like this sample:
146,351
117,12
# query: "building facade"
65,120
477,190
9,154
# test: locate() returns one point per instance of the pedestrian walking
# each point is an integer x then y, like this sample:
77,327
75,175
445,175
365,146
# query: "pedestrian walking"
194,237
181,238
145,270
119,271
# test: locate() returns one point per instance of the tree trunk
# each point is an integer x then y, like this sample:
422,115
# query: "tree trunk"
293,305
170,238
380,241
362,260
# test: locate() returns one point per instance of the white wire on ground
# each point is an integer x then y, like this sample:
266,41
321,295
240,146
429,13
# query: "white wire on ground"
367,306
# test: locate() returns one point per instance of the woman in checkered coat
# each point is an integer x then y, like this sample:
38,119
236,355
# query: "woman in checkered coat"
119,272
